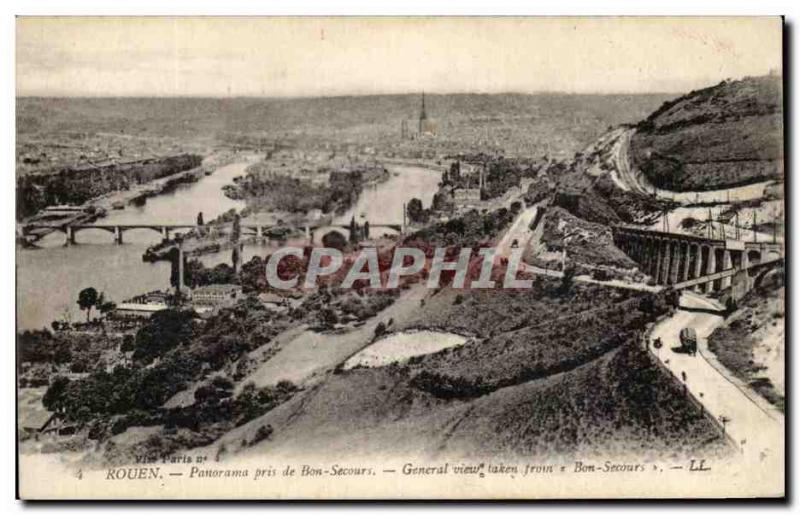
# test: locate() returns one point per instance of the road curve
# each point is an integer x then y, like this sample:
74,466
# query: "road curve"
757,432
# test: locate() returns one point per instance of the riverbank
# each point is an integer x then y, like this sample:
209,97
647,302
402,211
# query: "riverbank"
141,192
79,184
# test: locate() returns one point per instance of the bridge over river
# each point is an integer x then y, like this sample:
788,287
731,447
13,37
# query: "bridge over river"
258,231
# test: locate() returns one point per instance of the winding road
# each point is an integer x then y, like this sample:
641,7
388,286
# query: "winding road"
755,426
629,179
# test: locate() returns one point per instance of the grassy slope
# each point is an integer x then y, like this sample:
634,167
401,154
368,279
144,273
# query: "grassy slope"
751,343
553,389
590,243
619,403
726,135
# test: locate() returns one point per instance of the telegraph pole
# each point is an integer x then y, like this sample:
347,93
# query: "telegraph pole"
710,225
755,236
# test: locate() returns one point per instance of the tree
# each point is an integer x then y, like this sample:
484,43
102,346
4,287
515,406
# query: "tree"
328,317
414,210
128,343
455,172
87,299
334,240
105,306
55,396
200,219
237,228
353,230
730,305
567,278
164,331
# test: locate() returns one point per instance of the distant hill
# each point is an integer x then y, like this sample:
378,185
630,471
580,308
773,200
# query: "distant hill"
726,135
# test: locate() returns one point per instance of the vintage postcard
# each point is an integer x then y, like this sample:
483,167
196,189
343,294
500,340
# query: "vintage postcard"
400,258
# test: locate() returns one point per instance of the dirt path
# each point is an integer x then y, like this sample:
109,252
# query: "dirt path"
519,231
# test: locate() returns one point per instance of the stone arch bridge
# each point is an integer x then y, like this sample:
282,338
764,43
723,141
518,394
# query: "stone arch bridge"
706,265
257,231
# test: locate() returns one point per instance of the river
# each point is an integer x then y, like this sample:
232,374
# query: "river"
49,277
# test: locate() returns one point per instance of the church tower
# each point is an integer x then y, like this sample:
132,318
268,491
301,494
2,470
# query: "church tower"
426,126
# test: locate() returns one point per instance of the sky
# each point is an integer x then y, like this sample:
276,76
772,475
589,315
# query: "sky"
279,57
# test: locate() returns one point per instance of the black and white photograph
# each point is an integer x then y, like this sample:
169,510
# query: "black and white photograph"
400,258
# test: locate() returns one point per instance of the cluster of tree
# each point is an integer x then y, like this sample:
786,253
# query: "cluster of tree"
164,331
215,405
286,193
88,298
453,175
169,351
204,421
468,230
77,185
531,334
416,213
501,175
40,346
120,391
332,305
444,386
195,274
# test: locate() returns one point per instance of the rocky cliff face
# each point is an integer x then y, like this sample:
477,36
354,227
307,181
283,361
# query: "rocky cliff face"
726,135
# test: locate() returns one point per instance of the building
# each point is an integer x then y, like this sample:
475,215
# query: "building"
277,303
469,197
314,214
138,310
427,126
466,195
216,294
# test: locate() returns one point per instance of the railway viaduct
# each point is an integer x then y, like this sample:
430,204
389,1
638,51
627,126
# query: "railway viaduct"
707,265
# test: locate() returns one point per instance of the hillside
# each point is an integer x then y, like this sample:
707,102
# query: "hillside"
619,403
751,343
726,135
